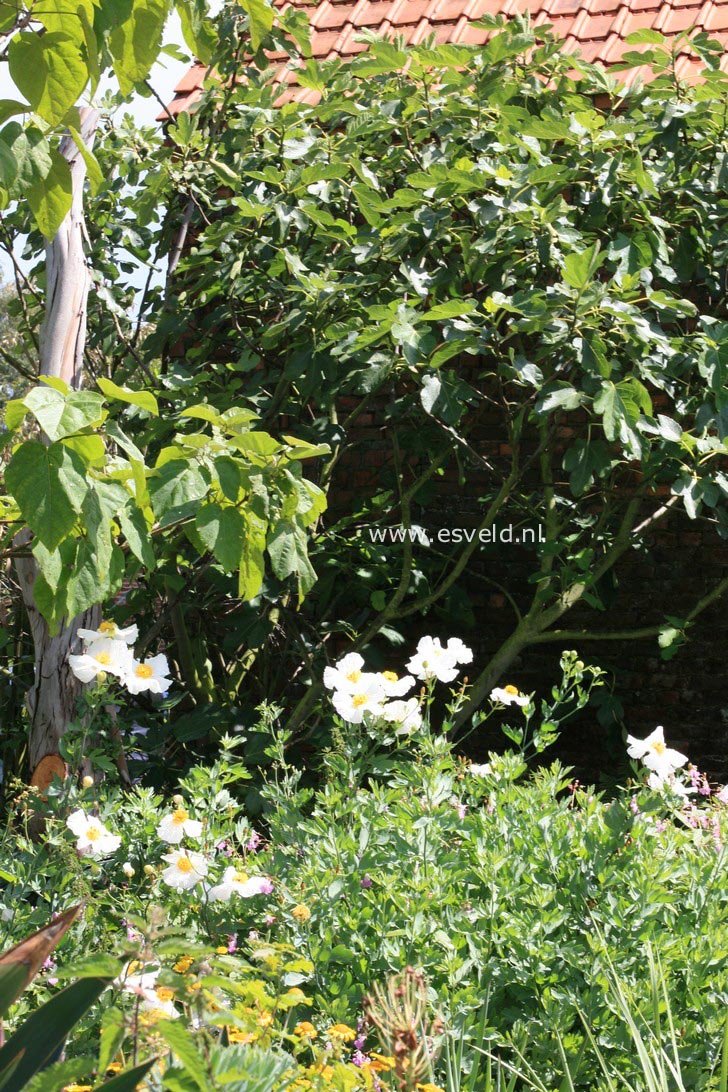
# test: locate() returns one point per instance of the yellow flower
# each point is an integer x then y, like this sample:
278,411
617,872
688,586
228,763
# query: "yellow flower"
244,1037
301,912
305,1030
265,1020
222,950
78,1088
298,996
342,1032
114,1067
184,964
381,1062
323,1070
428,1087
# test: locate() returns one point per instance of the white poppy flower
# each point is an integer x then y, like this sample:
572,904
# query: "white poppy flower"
173,827
432,661
234,882
110,656
672,783
154,998
394,685
93,838
654,753
509,695
185,870
151,675
367,698
479,769
722,795
110,630
461,652
405,714
346,675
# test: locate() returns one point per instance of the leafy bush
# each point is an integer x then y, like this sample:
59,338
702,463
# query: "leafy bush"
520,897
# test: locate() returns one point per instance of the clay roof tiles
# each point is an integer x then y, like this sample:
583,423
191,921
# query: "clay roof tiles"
596,28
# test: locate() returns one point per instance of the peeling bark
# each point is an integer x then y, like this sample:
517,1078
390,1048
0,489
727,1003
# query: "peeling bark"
51,700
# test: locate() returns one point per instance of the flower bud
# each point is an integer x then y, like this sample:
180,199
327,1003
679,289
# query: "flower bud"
149,870
178,799
579,665
128,869
88,782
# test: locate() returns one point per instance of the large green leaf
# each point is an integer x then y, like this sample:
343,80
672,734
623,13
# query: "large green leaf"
198,30
143,399
260,15
49,70
221,528
49,486
135,44
136,533
50,198
182,1044
252,556
46,1029
127,1081
59,416
174,485
288,551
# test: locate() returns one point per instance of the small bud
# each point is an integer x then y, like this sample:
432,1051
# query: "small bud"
88,782
579,665
128,869
178,799
101,677
149,869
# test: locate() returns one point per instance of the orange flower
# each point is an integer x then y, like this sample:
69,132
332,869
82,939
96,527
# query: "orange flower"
305,1030
301,912
342,1032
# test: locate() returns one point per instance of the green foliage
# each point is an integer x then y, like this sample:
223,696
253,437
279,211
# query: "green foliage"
95,505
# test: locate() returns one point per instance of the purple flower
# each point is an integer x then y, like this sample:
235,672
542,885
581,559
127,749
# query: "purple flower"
634,806
266,888
253,842
366,881
232,943
269,919
359,1059
359,1042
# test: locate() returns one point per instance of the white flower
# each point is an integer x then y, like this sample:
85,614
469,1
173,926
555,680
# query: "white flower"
128,869
367,698
346,675
722,795
154,998
110,630
113,657
234,882
432,661
461,652
185,870
173,827
93,839
671,783
393,685
479,769
151,675
405,714
655,754
509,695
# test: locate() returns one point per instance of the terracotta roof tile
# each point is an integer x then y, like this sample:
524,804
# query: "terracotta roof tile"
596,28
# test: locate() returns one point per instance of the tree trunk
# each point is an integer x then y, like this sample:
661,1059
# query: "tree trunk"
52,699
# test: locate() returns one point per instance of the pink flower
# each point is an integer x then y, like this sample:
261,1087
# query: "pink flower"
366,881
232,943
253,842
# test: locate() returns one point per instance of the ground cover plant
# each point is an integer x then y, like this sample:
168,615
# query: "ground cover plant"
527,916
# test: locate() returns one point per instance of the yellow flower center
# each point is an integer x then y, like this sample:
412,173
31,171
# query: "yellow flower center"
354,676
164,993
658,747
240,877
510,689
108,627
358,700
103,658
390,676
93,834
180,816
144,671
184,864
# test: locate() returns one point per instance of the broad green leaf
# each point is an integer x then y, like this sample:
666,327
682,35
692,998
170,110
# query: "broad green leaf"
175,484
59,416
181,1043
198,30
49,70
259,443
563,397
143,399
135,43
93,170
113,1031
580,268
136,533
221,529
252,560
50,198
32,155
288,551
49,486
61,1075
90,447
450,309
64,16
15,413
260,16
46,1029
